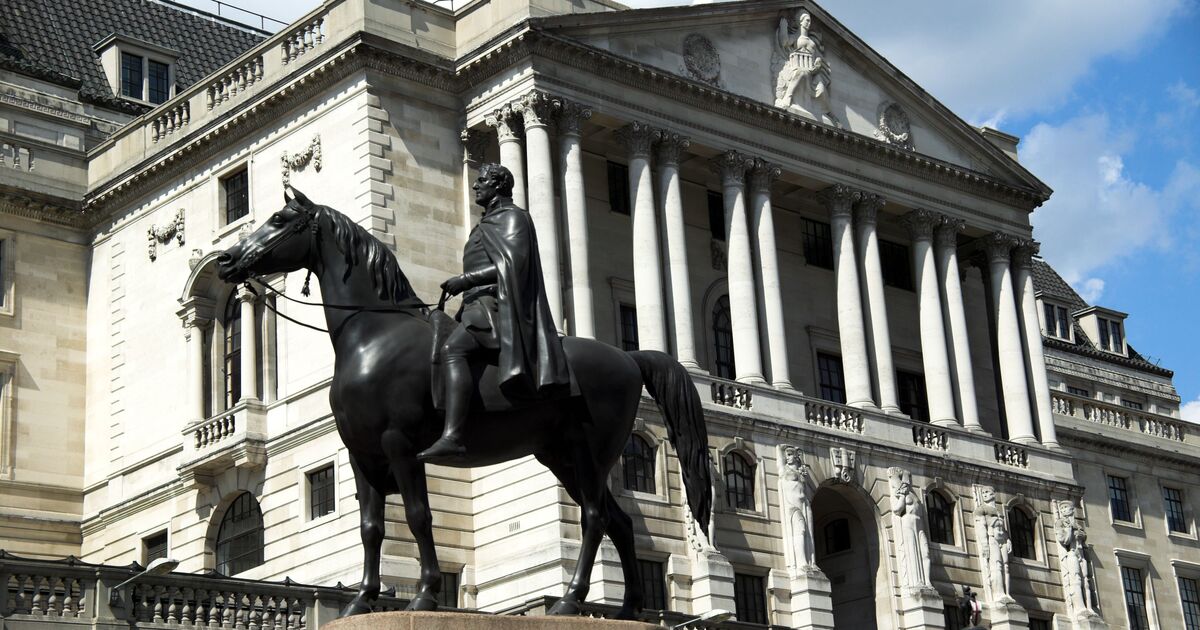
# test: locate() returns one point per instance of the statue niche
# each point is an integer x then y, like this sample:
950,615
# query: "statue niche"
802,75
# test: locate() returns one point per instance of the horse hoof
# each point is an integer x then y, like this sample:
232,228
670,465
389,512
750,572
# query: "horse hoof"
627,613
422,602
564,607
355,607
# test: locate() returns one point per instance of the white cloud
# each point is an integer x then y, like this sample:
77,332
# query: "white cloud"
1191,411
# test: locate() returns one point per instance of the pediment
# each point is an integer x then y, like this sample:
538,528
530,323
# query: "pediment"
794,55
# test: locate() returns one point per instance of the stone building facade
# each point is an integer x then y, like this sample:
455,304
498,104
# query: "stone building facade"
847,268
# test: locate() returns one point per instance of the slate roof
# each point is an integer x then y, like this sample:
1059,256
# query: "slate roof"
54,39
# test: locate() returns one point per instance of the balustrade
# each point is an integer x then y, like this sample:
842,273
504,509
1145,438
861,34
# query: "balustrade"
732,395
170,121
305,38
1118,417
1011,455
930,437
833,416
212,431
234,82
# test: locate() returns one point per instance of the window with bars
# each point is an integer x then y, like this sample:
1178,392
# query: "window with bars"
155,546
1022,534
716,215
654,584
1118,499
618,187
1058,321
832,382
1173,507
818,243
1189,593
236,189
941,518
320,492
910,389
837,536
629,327
750,598
722,323
231,321
240,537
1079,391
1135,598
638,464
897,265
131,75
739,481
447,594
159,84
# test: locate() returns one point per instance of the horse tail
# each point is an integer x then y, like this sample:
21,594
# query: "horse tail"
672,388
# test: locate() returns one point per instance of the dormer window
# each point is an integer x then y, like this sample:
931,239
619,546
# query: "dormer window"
137,69
1058,321
1105,327
1111,338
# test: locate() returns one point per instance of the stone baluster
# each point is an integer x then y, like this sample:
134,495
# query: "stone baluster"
639,139
538,109
839,200
512,156
249,345
574,199
747,355
770,303
679,291
934,356
946,244
879,338
1032,336
1009,352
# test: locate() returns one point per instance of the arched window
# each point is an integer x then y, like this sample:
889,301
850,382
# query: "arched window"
1021,532
231,359
638,464
240,538
722,325
739,481
941,518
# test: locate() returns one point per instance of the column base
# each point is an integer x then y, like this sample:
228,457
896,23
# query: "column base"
921,609
869,405
893,410
691,366
752,379
977,429
812,601
945,422
1025,440
1007,615
783,385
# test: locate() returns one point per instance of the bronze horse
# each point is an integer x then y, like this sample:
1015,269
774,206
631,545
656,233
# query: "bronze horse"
381,399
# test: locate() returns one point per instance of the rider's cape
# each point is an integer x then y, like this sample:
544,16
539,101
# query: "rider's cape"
531,360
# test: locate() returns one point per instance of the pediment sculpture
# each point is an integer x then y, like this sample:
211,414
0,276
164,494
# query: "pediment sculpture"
800,69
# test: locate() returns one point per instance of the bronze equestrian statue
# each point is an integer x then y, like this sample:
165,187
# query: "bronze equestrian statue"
382,390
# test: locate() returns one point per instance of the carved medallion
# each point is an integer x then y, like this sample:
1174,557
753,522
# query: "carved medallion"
701,60
893,126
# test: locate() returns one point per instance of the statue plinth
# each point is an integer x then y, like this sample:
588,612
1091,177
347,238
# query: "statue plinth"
921,609
473,621
812,600
1007,615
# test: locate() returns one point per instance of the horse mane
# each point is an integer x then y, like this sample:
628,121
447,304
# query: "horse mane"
359,246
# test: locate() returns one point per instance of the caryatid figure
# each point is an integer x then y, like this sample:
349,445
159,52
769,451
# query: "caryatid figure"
912,543
795,491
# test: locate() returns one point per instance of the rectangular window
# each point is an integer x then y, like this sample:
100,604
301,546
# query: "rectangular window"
1135,598
913,400
448,593
1039,624
629,328
1173,507
716,215
897,265
750,598
818,244
654,584
160,82
1131,404
833,385
1058,324
1079,391
1111,337
1190,594
155,546
320,492
1118,499
237,195
618,188
131,75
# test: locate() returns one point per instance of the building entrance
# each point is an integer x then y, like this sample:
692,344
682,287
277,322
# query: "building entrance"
847,552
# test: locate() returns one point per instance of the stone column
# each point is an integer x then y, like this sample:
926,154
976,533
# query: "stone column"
507,124
1009,352
640,139
766,263
839,200
934,356
194,329
249,346
574,199
679,288
946,243
879,338
747,356
1036,360
537,109
474,142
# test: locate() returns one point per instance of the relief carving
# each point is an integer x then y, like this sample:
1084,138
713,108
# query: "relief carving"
801,73
1072,561
796,489
162,235
912,544
893,126
296,161
995,546
843,464
701,60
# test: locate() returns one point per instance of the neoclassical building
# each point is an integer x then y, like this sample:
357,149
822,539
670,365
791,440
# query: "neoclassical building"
902,399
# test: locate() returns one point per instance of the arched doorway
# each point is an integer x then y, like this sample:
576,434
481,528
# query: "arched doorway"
847,550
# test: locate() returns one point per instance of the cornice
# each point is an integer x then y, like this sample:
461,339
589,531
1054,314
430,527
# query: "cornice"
46,208
1077,438
1085,351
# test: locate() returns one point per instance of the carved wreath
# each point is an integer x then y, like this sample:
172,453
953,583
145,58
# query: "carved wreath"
162,235
701,60
296,161
894,127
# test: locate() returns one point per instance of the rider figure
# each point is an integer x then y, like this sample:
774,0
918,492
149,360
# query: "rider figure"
504,314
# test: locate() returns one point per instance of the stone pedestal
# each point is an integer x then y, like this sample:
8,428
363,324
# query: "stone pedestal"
812,602
921,609
712,582
470,621
1088,621
1007,616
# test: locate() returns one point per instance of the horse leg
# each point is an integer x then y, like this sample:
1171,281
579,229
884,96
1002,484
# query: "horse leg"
620,531
410,477
590,488
370,509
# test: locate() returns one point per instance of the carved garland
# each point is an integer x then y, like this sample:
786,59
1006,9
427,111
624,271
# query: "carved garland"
297,161
162,235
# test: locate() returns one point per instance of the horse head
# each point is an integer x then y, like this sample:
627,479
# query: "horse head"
281,244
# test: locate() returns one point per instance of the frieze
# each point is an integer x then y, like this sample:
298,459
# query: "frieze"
161,235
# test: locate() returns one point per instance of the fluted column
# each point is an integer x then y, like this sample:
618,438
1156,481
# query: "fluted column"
679,289
574,199
934,356
946,244
1032,334
537,109
879,338
249,349
1009,353
508,124
747,357
194,329
766,262
639,139
856,369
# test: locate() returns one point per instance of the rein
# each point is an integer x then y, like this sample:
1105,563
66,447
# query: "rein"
407,308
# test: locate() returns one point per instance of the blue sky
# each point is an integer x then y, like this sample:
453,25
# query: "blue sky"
1105,96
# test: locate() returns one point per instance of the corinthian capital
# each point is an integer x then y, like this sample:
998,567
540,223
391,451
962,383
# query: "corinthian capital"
1024,251
867,209
731,166
506,121
998,247
920,224
948,231
671,146
763,174
571,117
538,108
639,138
839,199
474,144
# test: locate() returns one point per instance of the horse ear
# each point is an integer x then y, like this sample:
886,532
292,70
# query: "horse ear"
290,193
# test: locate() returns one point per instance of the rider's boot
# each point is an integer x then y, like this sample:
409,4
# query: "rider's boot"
457,382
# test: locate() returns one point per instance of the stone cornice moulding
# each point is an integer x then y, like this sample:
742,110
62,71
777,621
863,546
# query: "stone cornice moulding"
30,205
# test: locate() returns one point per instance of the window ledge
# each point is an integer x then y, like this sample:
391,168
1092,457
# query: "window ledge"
1127,525
744,513
949,548
650,497
232,228
1181,537
319,521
